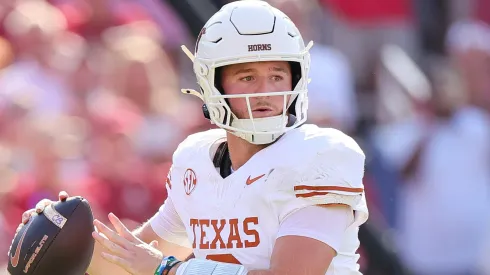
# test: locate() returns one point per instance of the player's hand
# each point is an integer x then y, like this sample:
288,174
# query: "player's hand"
39,209
126,250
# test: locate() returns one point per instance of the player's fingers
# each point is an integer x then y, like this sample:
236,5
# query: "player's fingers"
42,204
111,235
114,248
154,244
63,195
27,215
121,229
19,228
118,261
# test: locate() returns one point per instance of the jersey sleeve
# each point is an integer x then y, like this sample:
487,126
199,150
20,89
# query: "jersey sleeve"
167,223
333,176
325,224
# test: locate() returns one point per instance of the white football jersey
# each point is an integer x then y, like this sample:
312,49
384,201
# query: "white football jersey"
237,219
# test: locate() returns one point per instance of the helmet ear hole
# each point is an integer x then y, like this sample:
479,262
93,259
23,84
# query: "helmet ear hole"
292,108
295,73
218,79
296,77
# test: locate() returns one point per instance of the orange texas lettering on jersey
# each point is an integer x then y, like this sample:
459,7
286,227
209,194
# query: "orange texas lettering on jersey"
225,233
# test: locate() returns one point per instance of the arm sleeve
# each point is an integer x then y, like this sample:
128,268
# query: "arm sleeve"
325,224
169,226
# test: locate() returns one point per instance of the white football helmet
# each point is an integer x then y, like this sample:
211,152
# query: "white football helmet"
251,31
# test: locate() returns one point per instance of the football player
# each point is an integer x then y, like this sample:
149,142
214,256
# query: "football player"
264,193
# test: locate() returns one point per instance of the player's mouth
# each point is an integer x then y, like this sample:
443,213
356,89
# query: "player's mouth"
260,112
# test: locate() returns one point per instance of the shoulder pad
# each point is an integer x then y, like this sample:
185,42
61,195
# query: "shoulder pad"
196,144
328,169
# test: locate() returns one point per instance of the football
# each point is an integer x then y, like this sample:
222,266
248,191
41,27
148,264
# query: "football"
56,242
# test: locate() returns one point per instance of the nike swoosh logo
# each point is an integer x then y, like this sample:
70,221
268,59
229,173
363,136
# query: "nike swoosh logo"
250,181
14,260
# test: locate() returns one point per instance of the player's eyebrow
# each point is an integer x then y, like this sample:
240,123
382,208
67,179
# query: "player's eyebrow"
278,69
244,70
250,70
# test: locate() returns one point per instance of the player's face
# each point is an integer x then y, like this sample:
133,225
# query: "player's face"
253,78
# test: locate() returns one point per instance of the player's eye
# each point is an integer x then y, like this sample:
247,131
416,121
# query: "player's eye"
247,78
277,78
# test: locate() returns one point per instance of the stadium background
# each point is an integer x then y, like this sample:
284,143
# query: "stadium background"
90,104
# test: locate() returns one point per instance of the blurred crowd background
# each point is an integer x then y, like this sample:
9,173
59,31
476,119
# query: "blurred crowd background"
90,103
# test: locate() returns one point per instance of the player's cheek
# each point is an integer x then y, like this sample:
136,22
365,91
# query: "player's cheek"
278,102
239,107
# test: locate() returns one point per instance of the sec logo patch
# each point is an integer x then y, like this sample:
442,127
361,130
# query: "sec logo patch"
190,181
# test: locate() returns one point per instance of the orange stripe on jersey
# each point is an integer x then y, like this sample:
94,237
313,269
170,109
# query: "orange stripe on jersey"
332,204
223,258
328,188
311,194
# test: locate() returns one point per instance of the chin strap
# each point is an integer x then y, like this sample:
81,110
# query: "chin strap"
188,53
192,92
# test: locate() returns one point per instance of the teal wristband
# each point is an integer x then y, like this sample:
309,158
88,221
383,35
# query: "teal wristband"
166,265
159,270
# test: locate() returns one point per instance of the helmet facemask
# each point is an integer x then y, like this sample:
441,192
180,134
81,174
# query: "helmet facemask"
257,130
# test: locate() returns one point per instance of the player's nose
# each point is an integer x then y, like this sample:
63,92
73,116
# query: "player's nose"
263,86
